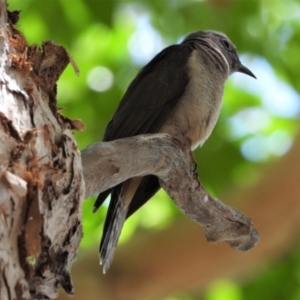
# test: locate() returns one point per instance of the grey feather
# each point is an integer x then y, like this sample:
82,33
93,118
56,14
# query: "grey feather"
112,235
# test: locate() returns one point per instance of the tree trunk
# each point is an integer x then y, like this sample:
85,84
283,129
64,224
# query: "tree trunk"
41,182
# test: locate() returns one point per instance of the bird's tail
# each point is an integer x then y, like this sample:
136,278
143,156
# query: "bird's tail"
117,216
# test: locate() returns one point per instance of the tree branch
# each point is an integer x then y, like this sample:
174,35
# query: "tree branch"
107,164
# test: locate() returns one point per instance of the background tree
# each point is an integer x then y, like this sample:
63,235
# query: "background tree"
110,41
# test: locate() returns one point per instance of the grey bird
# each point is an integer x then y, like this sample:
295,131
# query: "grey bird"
178,92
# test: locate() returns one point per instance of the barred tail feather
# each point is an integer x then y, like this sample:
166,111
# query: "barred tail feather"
111,235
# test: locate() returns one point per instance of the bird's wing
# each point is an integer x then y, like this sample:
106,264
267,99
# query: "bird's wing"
152,95
151,98
149,101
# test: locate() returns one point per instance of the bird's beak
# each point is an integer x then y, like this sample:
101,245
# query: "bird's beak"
243,69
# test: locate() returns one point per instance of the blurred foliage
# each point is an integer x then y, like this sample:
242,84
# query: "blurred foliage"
111,39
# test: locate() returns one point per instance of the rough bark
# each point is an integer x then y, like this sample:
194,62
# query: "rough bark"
41,182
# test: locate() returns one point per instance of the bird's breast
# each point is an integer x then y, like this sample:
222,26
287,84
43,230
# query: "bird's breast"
198,109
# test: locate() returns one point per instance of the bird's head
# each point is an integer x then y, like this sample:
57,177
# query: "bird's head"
216,41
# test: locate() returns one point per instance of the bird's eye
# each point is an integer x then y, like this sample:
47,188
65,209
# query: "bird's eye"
226,44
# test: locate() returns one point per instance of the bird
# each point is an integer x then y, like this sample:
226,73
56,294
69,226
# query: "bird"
179,92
